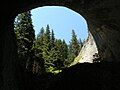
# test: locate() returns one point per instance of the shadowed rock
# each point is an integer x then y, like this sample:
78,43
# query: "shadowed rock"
103,23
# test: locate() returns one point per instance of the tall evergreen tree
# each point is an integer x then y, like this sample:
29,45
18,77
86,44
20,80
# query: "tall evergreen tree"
46,40
38,65
40,38
47,34
52,39
25,38
71,55
59,59
64,50
73,49
41,33
75,44
47,47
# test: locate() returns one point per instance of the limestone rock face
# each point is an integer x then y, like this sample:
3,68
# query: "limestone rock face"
88,52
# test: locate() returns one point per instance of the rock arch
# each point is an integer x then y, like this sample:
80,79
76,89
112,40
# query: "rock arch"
103,22
102,18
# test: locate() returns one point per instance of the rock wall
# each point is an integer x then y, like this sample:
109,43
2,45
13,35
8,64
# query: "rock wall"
103,17
88,52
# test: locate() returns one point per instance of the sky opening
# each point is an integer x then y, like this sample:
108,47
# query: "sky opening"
62,20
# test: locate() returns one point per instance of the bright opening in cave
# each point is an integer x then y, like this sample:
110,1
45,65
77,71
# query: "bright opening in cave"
50,38
62,20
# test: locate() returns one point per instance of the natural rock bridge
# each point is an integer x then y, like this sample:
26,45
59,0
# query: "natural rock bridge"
103,23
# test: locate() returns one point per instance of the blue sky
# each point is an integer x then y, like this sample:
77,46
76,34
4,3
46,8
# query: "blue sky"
61,19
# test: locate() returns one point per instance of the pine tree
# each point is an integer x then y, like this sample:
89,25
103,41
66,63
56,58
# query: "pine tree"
40,38
46,40
64,50
46,47
73,49
41,33
52,39
47,34
59,58
38,65
25,38
71,55
75,44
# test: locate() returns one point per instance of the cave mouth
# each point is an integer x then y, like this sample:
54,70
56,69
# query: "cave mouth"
37,28
101,15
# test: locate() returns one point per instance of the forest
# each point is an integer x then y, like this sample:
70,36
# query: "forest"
43,53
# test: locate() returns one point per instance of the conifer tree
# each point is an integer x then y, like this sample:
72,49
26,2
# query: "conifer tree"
59,59
64,50
46,47
73,48
47,35
38,65
40,38
52,39
25,38
75,44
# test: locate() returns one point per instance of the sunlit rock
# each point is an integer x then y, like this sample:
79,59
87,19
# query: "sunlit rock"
88,52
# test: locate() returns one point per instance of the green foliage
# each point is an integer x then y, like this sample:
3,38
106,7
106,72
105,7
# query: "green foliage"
52,39
59,55
74,44
45,53
38,64
73,48
25,37
54,51
64,49
54,70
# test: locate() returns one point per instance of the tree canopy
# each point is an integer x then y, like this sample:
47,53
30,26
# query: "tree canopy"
44,53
